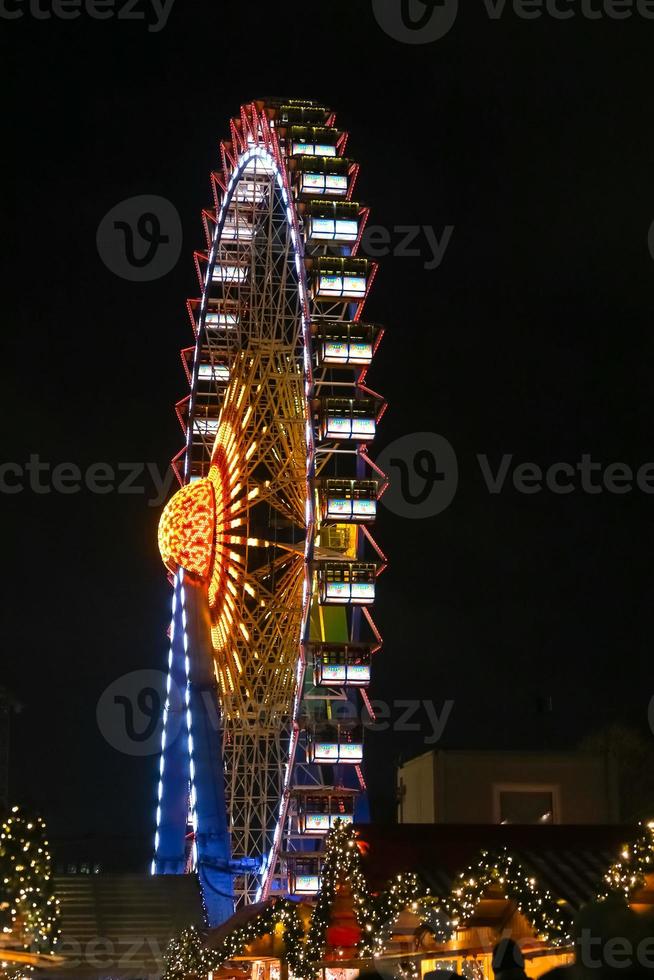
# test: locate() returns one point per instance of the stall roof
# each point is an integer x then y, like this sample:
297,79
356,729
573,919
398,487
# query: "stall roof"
570,860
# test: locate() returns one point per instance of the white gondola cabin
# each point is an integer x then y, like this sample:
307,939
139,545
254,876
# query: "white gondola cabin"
303,875
321,176
344,343
318,809
205,426
332,221
333,279
346,583
314,141
348,501
236,228
335,745
300,148
348,418
231,274
341,664
213,372
252,191
216,321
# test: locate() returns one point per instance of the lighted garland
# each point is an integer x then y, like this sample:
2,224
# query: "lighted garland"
636,861
405,892
376,914
190,956
29,910
500,868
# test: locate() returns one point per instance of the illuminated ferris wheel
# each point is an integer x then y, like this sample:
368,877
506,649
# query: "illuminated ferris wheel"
268,541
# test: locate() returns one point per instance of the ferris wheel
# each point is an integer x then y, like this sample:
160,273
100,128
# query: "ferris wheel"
268,542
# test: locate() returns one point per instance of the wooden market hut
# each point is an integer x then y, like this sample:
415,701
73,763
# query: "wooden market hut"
569,862
553,871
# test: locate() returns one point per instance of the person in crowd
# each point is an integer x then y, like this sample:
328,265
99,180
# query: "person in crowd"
508,962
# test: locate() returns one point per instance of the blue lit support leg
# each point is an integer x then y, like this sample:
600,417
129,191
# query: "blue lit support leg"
172,805
208,804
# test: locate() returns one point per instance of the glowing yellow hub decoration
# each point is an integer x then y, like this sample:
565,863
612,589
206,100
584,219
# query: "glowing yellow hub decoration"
198,531
186,529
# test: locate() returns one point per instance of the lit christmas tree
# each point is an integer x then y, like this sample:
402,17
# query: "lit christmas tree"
29,911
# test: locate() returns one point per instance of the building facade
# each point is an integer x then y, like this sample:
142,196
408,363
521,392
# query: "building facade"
486,787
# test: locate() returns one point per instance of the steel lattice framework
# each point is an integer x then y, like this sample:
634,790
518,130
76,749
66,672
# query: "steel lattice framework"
266,541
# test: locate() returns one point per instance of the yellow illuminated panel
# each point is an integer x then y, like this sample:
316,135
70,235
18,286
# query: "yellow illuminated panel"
186,529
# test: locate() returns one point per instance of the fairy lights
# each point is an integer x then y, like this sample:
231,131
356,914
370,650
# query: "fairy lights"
636,861
376,914
445,916
189,955
29,909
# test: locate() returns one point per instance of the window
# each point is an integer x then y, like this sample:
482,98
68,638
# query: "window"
527,804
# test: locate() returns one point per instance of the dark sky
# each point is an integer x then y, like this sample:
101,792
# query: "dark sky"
534,139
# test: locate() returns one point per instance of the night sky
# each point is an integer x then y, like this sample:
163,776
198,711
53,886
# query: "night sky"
533,337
